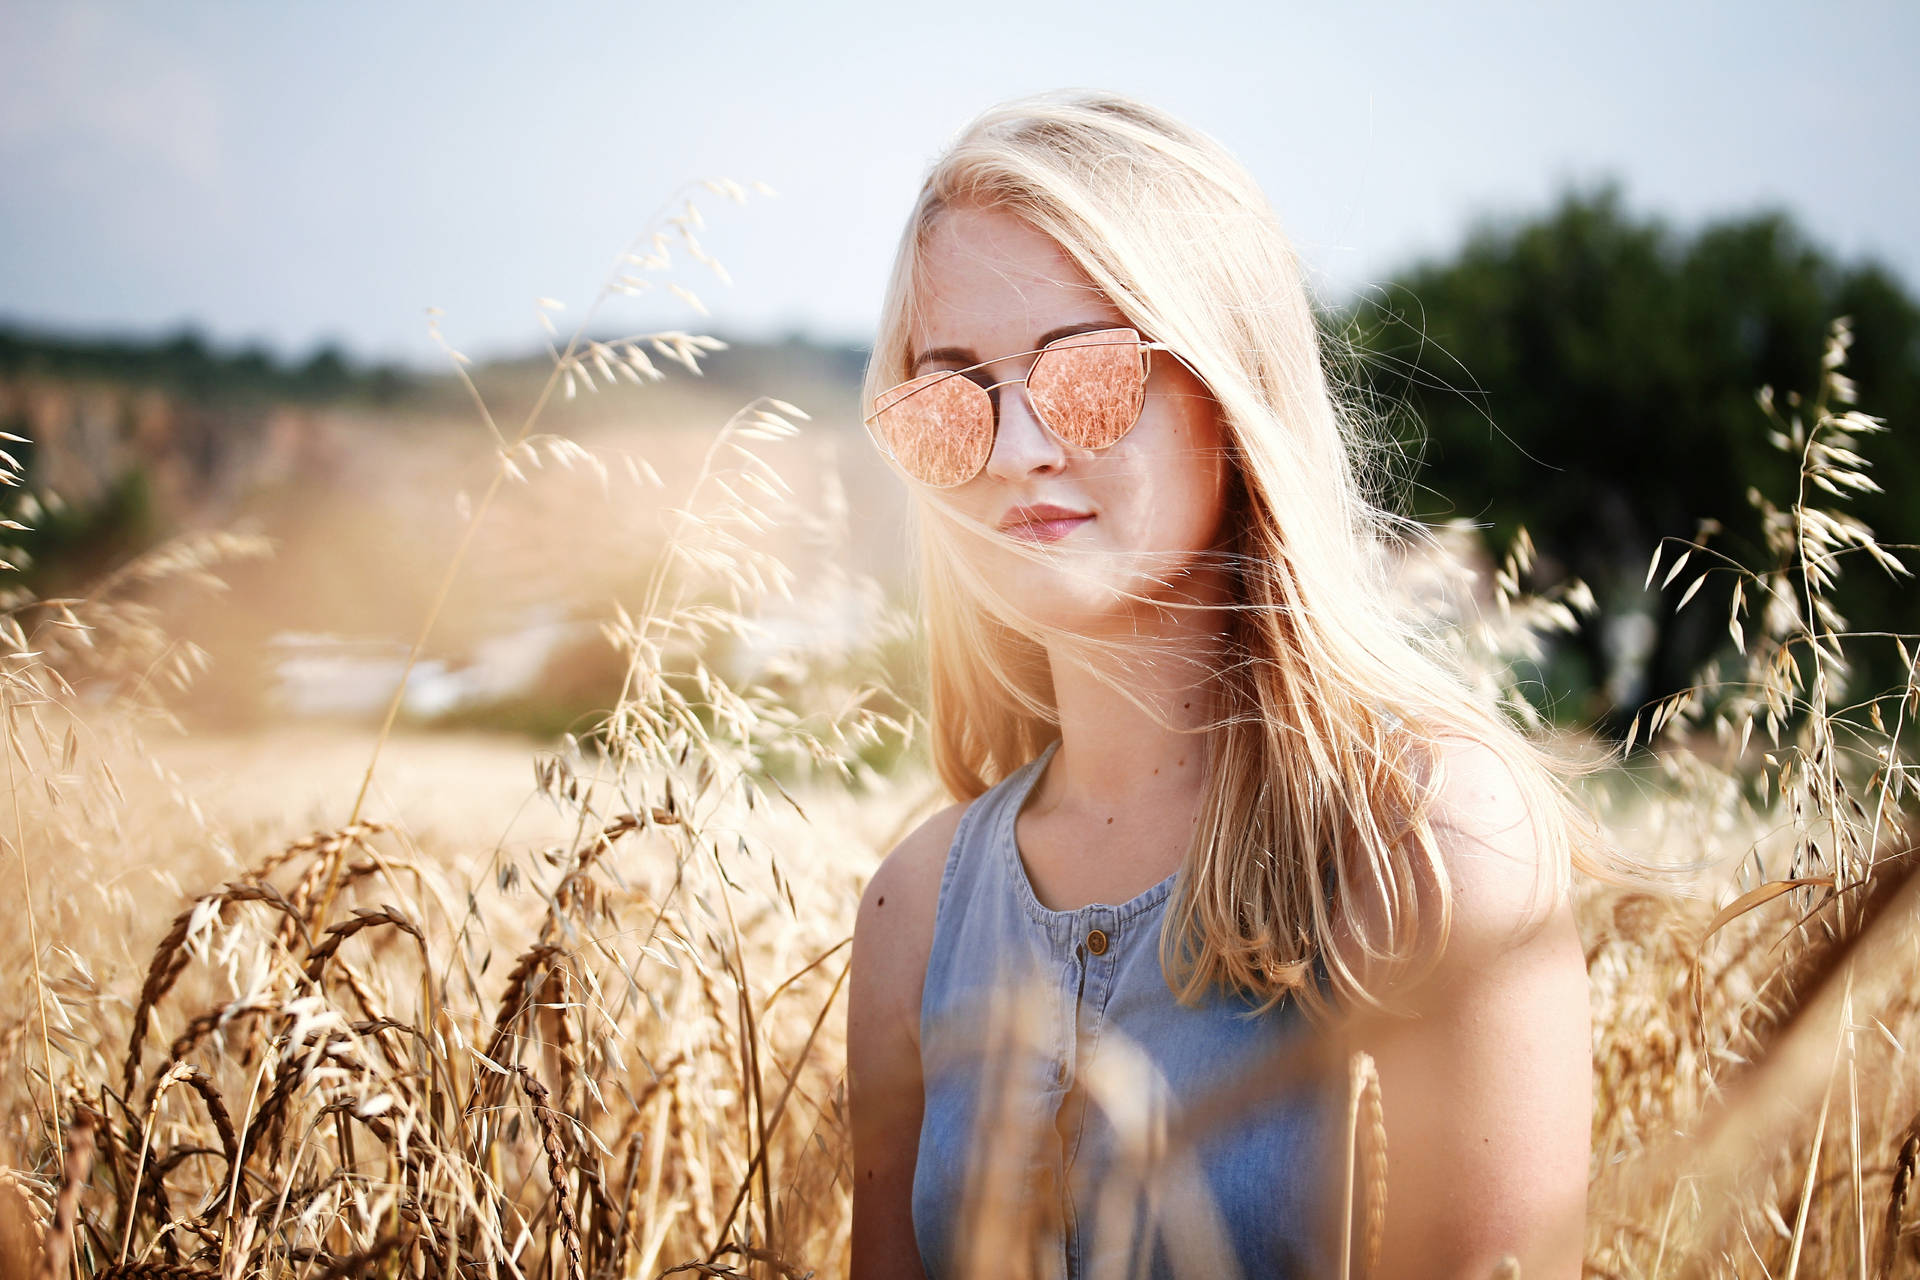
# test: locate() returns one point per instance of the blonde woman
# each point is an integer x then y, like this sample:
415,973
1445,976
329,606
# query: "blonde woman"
1221,818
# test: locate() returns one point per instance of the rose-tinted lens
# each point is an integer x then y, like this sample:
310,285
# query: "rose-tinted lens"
1090,388
939,427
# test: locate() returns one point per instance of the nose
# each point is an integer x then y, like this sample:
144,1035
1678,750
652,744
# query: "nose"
1022,445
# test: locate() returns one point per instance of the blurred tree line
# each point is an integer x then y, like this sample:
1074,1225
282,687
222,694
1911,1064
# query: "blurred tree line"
1592,375
126,440
186,365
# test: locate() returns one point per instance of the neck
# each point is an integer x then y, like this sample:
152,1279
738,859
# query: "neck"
1113,752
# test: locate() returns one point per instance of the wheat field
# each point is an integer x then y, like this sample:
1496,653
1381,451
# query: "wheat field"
322,1002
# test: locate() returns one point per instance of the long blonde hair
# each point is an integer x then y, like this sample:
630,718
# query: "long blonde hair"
1324,765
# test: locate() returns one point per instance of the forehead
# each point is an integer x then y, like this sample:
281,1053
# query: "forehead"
990,282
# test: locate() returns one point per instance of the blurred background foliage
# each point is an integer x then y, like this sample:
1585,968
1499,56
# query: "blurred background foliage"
1591,375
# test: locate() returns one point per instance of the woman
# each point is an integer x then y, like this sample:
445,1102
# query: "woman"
1223,819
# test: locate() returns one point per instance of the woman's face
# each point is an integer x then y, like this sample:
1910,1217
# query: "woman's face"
1146,507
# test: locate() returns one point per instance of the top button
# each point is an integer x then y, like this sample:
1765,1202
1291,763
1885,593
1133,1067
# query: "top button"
1097,942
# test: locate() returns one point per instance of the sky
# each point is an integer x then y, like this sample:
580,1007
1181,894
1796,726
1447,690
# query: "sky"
298,173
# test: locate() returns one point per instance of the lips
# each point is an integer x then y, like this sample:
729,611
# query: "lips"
1043,522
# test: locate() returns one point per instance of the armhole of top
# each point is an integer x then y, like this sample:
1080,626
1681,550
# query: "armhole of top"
955,849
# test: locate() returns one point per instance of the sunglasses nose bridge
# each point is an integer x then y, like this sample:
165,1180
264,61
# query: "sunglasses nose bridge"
1025,443
993,388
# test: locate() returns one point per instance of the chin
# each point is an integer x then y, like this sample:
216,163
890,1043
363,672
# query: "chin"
1084,603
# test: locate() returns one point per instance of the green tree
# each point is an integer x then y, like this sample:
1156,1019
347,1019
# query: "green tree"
1591,375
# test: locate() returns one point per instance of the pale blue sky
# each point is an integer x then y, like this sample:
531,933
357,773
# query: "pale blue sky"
293,172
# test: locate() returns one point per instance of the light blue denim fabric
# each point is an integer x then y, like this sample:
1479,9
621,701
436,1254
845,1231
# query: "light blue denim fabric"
1101,1017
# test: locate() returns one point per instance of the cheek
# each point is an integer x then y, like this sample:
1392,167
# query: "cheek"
1205,474
961,518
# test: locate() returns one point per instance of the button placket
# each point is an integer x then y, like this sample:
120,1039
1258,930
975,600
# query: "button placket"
1095,985
1098,941
1094,929
1072,976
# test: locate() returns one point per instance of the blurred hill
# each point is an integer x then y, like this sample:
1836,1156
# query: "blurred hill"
360,476
128,440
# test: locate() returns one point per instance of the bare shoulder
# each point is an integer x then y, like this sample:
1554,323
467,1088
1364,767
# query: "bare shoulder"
893,932
892,937
1489,872
1496,1057
915,864
1503,883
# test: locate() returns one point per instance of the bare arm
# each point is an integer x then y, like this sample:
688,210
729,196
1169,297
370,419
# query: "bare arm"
892,937
1487,1092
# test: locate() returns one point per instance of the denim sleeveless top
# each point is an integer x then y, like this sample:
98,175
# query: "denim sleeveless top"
1098,1060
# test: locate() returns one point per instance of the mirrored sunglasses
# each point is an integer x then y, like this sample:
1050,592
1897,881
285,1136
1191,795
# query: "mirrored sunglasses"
1088,389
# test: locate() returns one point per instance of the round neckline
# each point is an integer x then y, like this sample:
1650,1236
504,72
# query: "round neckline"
1145,900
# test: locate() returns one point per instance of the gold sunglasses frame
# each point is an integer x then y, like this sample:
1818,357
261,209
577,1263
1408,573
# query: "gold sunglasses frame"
1069,342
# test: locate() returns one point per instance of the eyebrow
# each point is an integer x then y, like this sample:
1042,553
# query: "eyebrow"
964,356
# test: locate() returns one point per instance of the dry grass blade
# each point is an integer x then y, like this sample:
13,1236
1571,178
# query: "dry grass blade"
205,1023
216,1113
1366,1132
556,1168
1374,1117
1755,1100
23,1224
1903,1170
1758,897
170,959
759,1163
73,1178
712,1267
361,921
515,1001
362,1263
